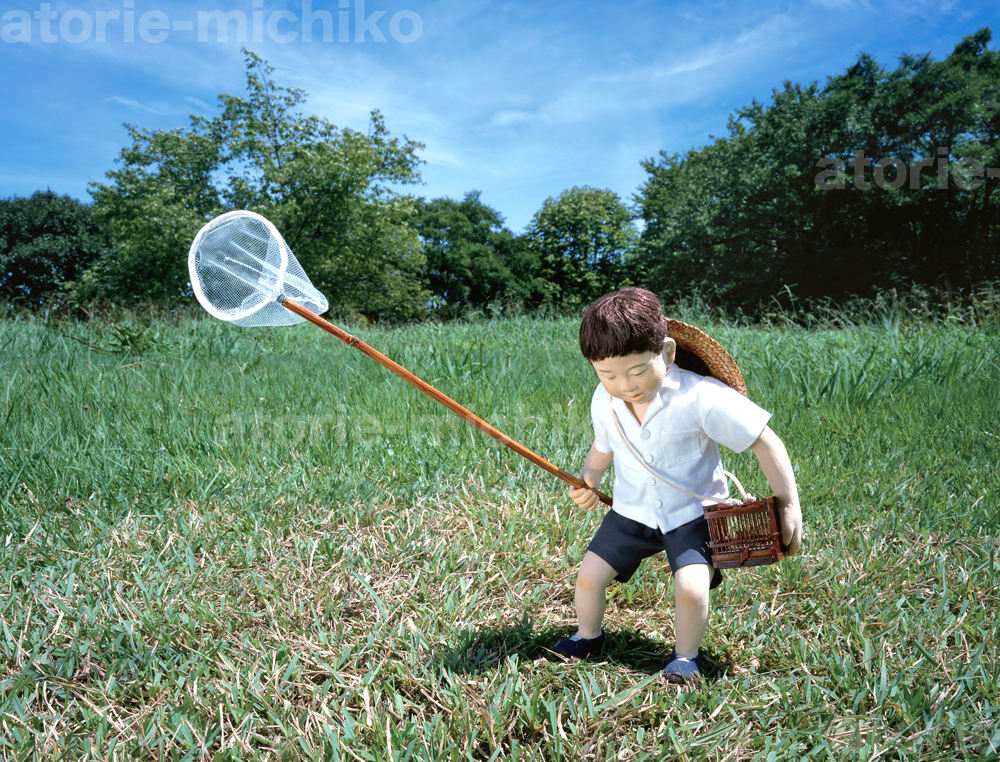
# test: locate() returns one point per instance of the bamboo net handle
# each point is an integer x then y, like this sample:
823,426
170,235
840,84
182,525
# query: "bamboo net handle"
448,402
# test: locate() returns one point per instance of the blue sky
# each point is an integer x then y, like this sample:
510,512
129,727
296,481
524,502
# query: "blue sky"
520,100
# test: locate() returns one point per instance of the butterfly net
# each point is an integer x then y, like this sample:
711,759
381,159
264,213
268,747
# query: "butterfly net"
241,268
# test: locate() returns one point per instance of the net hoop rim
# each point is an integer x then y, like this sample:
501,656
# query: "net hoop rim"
196,284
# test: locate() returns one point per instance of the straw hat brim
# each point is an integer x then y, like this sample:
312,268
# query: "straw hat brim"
700,353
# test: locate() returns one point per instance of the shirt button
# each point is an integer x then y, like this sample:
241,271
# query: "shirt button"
651,481
645,434
659,503
649,458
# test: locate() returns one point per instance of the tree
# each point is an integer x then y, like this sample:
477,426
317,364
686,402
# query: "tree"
751,213
46,240
586,241
327,190
154,206
472,259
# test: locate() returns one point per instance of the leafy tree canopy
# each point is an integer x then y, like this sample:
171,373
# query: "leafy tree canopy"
45,241
472,259
751,213
586,241
328,191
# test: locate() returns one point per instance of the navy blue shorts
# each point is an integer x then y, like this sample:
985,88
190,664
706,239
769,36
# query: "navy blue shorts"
624,544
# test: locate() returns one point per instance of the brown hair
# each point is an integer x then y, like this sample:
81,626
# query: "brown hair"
624,322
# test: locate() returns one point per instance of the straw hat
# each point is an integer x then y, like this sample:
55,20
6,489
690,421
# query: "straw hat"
700,353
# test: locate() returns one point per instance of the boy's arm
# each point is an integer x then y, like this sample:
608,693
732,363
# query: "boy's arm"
774,462
594,466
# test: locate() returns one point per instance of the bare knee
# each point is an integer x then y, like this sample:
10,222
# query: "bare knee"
595,574
590,583
690,596
691,584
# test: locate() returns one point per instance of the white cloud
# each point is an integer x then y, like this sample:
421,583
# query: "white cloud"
508,118
132,103
773,34
839,4
440,159
932,10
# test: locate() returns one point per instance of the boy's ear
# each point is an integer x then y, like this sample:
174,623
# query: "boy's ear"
669,350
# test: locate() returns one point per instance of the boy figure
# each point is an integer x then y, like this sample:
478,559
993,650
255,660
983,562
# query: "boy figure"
674,420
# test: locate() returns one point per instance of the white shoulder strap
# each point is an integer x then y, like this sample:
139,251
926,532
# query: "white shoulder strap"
731,501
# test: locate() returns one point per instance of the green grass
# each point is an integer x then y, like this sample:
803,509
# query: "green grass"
223,543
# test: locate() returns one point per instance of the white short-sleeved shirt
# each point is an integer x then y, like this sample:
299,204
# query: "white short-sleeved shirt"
679,438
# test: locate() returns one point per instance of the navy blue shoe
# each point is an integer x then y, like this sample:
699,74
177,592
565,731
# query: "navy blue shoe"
681,670
581,648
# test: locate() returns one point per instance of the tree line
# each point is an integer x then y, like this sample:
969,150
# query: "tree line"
878,179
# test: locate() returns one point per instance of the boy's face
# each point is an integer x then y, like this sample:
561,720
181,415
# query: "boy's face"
636,378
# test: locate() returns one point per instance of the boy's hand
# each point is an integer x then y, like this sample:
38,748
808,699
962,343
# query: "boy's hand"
593,469
791,526
585,497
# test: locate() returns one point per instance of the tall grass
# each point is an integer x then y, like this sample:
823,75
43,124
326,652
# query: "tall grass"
220,543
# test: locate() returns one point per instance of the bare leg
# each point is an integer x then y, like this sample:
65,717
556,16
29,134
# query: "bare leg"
690,607
591,586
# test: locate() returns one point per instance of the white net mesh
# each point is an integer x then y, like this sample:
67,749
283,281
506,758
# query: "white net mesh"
240,265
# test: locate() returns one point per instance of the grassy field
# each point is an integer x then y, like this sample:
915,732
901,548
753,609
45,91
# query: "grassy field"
221,543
